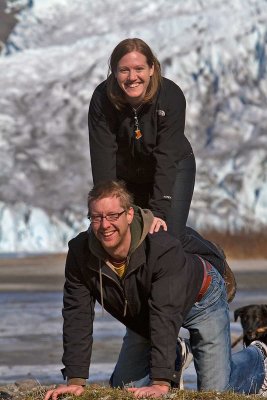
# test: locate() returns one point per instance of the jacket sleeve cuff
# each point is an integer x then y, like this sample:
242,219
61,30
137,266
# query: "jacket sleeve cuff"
164,374
161,382
76,381
74,372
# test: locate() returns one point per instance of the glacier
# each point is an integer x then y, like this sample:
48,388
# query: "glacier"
57,54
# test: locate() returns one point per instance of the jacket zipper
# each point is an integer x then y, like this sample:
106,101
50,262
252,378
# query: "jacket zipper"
125,299
123,293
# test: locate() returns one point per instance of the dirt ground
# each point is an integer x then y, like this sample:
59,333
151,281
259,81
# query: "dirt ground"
37,272
46,272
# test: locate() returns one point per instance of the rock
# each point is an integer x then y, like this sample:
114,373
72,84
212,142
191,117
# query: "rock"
22,388
5,395
26,384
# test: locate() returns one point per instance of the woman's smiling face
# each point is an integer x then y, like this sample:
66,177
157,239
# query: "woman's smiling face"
133,76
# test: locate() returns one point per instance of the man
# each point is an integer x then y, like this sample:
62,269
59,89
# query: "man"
152,286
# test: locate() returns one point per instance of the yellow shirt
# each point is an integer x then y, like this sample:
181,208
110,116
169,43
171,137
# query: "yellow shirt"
119,267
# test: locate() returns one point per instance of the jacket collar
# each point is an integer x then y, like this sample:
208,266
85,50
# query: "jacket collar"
137,259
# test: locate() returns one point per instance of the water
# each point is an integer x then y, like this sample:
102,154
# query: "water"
31,336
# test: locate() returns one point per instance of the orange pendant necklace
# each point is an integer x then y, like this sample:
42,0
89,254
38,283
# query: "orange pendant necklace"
138,133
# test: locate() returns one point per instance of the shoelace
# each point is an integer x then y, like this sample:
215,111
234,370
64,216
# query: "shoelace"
263,388
264,385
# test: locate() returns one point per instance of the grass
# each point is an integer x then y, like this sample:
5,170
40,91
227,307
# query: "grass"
97,392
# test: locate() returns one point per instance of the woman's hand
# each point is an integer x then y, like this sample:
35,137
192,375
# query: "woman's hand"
149,391
157,223
62,389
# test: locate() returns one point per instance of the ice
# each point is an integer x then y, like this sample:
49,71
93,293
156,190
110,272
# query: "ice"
58,53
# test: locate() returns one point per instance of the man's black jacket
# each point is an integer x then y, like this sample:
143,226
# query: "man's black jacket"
160,287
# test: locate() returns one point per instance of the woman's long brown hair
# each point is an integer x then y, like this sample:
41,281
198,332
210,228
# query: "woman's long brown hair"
114,92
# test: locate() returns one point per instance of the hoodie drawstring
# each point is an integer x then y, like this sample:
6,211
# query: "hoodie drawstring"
125,308
101,287
101,292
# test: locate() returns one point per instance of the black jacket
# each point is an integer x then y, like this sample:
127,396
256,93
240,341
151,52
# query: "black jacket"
147,164
159,288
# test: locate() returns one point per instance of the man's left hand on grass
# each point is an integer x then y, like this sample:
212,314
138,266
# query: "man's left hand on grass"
149,391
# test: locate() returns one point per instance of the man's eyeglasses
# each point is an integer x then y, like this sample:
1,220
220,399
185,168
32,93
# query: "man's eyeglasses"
109,217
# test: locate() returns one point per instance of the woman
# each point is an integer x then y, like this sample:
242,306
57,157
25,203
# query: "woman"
136,132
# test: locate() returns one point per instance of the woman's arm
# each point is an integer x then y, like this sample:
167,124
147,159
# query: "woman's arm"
103,145
157,224
172,146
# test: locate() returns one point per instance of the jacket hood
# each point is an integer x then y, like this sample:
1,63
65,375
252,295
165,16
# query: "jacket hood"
139,229
140,225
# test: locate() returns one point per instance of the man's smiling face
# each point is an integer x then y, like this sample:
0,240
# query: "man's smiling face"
114,235
133,76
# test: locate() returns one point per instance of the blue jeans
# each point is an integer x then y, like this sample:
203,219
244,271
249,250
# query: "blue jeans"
217,369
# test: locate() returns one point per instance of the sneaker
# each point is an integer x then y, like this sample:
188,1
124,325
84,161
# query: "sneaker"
184,358
263,348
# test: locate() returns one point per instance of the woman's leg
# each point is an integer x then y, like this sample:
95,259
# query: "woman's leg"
181,197
132,368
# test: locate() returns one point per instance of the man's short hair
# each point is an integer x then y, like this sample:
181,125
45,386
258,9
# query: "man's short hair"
111,189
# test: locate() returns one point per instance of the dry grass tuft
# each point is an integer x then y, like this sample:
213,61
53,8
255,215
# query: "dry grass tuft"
241,245
97,392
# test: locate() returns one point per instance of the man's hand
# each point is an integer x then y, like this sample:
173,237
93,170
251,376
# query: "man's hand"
149,391
62,389
157,223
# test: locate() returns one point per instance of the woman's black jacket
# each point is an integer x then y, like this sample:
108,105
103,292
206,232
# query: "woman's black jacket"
149,164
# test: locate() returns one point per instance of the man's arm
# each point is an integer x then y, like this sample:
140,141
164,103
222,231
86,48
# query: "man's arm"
175,284
78,313
165,321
